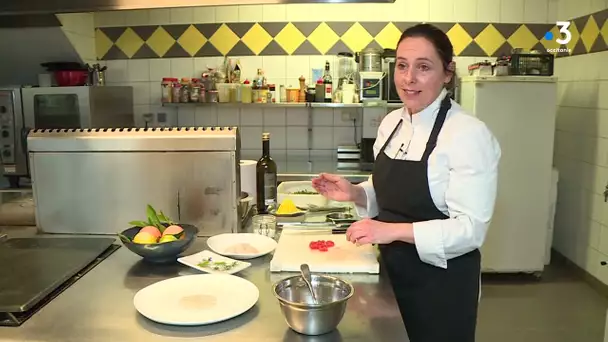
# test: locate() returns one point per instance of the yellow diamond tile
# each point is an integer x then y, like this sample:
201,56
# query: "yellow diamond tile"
523,38
388,37
605,31
290,38
224,39
357,37
590,33
551,44
323,38
129,42
102,43
256,39
575,36
460,38
160,41
489,40
192,40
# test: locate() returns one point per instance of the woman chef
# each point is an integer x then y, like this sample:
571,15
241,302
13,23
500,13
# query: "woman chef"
431,195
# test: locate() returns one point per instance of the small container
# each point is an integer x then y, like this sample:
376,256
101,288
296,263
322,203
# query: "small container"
185,91
176,92
195,91
212,96
167,89
272,93
264,225
223,92
235,92
263,95
283,94
293,94
246,92
310,94
319,91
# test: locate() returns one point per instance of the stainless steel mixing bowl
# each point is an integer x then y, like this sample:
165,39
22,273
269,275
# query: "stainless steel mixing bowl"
299,310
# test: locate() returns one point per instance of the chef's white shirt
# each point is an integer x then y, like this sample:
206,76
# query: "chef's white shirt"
462,173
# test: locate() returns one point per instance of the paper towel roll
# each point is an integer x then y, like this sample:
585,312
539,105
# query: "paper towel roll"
248,178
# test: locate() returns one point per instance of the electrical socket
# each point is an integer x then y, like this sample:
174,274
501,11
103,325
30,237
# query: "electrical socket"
348,116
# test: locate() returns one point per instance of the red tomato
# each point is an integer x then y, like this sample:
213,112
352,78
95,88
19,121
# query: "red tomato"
323,249
313,245
329,243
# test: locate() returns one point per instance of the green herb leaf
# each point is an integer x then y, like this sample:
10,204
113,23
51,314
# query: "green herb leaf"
124,238
154,218
139,223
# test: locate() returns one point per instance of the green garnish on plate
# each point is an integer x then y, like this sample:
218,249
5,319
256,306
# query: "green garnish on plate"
217,265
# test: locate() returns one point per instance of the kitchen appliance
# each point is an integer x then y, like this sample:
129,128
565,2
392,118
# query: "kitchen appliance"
348,157
517,236
191,174
36,270
344,257
372,117
388,66
370,60
22,109
370,85
347,68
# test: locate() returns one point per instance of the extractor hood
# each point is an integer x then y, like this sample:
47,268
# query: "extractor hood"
69,6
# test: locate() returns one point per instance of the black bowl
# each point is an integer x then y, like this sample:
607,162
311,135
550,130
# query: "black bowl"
160,252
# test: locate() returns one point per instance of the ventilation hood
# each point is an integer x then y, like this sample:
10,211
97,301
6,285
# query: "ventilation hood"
68,6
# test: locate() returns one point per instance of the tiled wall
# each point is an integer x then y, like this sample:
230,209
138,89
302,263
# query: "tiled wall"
581,156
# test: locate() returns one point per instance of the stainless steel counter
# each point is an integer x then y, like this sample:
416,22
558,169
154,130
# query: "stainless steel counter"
98,307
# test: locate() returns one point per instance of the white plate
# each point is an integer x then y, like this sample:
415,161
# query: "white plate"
196,299
223,243
195,259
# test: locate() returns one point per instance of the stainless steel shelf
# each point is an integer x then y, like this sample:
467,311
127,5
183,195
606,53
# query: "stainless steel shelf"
288,104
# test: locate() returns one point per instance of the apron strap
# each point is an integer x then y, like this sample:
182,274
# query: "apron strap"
446,104
390,137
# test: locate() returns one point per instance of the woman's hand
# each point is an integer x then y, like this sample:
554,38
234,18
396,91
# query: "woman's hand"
376,232
334,187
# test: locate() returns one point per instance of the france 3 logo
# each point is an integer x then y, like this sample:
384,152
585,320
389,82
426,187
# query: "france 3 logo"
565,38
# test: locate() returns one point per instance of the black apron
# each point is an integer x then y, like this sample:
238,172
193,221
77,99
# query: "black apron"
436,304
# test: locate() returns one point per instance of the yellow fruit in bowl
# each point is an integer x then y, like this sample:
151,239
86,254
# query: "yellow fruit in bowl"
167,238
152,231
173,230
144,238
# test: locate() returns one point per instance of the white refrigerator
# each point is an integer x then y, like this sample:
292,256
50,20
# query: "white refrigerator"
521,113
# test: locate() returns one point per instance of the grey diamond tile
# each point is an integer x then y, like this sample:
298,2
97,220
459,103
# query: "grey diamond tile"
207,50
176,30
339,47
506,29
373,27
306,27
473,29
473,49
240,49
579,49
240,28
306,48
145,52
176,51
207,29
340,27
145,32
503,50
113,32
599,45
539,30
273,49
115,53
273,28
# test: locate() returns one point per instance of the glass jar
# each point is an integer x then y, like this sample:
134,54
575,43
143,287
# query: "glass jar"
264,225
212,95
176,92
195,91
185,91
166,89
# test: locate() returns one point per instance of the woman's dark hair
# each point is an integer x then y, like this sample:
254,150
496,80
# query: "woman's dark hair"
438,38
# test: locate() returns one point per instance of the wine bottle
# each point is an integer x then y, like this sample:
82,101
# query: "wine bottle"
266,177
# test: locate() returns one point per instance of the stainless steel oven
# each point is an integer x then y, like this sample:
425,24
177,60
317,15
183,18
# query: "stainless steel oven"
23,109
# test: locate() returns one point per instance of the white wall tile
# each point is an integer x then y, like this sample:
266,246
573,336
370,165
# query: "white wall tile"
273,13
252,116
251,138
138,70
117,71
137,17
297,138
465,10
299,12
579,8
160,16
227,14
563,8
228,116
185,116
170,112
488,11
274,66
552,8
155,92
442,10
206,116
602,95
278,140
344,136
182,67
512,11
274,117
598,5
110,18
202,64
341,121
159,68
322,138
323,117
296,67
251,13
182,15
139,111
204,14
141,92
250,65
602,123
416,10
297,116
603,243
536,11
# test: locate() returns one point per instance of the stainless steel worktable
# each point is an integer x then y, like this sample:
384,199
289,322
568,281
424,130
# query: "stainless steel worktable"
98,307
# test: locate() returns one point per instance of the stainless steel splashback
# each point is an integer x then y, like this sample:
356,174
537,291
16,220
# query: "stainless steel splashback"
97,180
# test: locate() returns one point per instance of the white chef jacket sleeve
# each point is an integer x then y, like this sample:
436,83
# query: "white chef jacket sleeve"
371,209
470,198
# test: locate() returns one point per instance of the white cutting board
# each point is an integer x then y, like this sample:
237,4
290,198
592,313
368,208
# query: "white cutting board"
345,257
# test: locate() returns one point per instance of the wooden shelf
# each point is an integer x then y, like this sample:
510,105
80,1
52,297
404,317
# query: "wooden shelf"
288,104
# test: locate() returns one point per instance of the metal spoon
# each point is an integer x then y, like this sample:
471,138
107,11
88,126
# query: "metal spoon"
308,280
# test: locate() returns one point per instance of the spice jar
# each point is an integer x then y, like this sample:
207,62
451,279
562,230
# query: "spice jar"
246,92
167,89
212,96
176,92
195,90
185,91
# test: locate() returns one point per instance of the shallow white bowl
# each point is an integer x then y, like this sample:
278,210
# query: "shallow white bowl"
223,243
